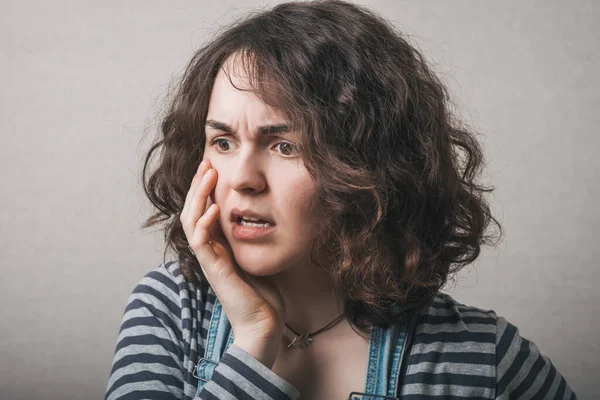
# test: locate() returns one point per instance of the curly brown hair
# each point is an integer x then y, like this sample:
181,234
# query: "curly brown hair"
396,171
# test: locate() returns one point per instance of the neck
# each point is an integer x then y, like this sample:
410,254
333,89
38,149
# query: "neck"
310,302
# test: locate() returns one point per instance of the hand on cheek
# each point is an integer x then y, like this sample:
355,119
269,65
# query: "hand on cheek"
254,306
216,229
211,196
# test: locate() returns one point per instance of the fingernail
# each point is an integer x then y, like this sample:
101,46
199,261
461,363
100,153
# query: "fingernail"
200,166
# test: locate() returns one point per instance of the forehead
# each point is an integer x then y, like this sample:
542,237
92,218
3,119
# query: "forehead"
233,93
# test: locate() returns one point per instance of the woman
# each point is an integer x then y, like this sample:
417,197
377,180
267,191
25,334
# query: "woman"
335,196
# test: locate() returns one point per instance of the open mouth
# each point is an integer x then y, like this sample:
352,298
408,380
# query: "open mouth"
250,224
250,229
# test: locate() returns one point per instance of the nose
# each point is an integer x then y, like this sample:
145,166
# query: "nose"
247,174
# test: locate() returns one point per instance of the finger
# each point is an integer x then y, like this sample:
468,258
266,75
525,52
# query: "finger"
222,274
239,298
216,230
201,240
202,168
197,204
199,199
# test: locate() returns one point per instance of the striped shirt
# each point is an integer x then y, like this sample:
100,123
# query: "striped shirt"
457,352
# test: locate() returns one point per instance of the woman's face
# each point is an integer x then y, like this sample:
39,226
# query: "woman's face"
259,171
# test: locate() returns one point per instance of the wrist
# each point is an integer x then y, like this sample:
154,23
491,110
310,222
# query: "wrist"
264,349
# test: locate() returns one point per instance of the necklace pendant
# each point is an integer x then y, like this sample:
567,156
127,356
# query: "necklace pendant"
301,341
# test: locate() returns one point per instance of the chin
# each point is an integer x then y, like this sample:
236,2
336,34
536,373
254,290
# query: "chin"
259,269
258,262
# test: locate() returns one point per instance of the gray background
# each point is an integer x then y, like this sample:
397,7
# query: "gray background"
82,83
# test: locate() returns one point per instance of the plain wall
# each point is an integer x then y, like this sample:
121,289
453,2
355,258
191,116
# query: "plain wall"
81,84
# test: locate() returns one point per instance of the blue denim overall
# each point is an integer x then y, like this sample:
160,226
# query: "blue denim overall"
386,354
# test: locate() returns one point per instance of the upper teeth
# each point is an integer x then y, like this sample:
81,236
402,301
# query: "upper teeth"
250,219
247,223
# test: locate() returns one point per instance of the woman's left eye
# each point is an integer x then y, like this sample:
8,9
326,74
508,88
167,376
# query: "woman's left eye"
287,149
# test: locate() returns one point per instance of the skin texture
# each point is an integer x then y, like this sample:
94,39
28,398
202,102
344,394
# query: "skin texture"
262,283
265,173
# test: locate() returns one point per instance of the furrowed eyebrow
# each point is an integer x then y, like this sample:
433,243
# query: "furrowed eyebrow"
273,129
263,130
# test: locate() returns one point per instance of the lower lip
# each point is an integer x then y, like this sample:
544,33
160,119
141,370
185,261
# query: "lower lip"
250,232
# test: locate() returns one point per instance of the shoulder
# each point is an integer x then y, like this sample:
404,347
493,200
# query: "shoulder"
158,341
459,349
449,331
446,316
453,348
165,295
166,277
160,288
166,283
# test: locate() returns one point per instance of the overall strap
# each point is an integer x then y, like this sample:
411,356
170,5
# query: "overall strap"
218,340
387,353
399,367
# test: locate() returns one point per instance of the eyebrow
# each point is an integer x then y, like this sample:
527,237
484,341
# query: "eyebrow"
262,130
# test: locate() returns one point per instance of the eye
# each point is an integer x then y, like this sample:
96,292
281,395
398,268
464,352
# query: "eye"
287,149
223,145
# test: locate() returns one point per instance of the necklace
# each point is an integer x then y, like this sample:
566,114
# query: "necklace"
302,340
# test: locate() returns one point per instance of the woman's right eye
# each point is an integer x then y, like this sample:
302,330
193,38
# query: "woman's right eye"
222,144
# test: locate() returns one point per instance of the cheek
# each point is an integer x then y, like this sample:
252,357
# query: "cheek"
299,198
